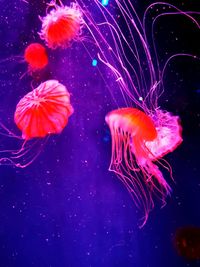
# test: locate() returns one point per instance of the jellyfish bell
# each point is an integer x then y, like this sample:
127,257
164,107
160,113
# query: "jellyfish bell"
43,111
36,56
40,113
62,25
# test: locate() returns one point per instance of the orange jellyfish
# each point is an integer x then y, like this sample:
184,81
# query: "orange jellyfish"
139,140
36,56
62,25
41,112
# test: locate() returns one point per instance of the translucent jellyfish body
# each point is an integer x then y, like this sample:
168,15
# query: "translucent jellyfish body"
36,56
135,73
43,111
138,142
40,113
61,26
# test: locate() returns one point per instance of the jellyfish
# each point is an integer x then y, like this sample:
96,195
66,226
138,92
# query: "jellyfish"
187,242
40,113
137,142
62,25
36,56
142,132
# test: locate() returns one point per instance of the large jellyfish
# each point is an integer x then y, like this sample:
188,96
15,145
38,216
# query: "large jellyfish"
142,132
43,111
137,142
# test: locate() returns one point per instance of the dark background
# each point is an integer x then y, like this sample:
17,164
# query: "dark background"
66,209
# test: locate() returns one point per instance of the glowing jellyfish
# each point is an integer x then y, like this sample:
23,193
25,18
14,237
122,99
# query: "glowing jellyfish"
36,56
142,133
62,25
139,140
41,112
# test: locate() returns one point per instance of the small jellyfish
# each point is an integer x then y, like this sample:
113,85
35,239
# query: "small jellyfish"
187,242
139,140
62,25
36,56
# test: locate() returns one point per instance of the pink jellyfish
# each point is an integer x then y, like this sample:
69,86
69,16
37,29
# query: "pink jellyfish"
62,25
41,112
36,56
135,73
138,143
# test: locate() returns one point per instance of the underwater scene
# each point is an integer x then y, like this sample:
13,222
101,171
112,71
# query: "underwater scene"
99,133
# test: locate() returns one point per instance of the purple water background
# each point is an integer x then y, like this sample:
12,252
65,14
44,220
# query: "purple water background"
66,209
